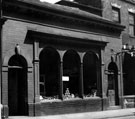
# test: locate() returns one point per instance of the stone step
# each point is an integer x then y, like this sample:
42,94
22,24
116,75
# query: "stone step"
114,107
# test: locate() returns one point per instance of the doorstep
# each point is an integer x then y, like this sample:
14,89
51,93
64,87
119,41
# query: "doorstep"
114,108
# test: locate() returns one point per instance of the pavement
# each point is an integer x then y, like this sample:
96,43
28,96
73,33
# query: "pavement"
109,114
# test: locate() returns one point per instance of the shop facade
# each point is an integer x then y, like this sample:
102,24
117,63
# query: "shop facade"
57,59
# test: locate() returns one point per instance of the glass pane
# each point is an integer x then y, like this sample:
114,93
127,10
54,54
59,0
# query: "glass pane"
131,19
115,15
131,29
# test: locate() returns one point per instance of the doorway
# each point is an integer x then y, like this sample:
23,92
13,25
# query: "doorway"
17,86
113,84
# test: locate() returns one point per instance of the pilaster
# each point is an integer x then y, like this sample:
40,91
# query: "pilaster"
121,80
102,74
103,83
3,72
36,79
4,91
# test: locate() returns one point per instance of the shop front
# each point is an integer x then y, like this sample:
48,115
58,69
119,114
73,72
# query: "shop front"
69,72
54,59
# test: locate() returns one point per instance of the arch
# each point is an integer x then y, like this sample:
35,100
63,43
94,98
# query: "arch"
129,74
108,62
71,70
17,86
92,52
113,91
11,52
112,67
91,74
73,52
17,60
49,72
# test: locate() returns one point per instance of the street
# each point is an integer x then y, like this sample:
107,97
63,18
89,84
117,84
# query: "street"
109,114
127,117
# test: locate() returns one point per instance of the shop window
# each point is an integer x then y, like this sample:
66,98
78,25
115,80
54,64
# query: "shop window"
71,64
42,85
131,24
116,15
50,80
49,74
90,74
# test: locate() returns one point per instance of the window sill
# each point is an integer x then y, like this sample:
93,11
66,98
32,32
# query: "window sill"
96,97
72,99
69,99
52,100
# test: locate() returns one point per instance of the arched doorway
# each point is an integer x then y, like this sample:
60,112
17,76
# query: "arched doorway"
49,73
71,70
17,86
129,74
90,74
113,84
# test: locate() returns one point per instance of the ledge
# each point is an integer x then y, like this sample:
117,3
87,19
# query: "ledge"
70,99
70,13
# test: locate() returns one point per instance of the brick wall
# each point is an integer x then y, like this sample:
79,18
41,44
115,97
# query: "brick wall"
72,106
107,13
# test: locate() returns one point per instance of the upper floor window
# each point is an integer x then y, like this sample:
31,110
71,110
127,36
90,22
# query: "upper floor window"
132,24
116,14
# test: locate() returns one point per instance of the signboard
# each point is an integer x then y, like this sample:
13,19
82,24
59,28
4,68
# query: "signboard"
65,78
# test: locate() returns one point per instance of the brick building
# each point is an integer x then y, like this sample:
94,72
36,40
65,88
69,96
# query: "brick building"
123,12
58,58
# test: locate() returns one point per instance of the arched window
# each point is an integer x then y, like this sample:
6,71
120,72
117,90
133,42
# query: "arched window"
90,74
49,73
71,64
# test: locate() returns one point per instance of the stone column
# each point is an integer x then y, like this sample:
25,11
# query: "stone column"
103,75
121,80
61,53
99,78
103,82
30,91
61,82
81,80
36,79
36,71
5,91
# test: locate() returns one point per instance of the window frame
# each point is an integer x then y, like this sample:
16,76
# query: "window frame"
131,24
115,9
